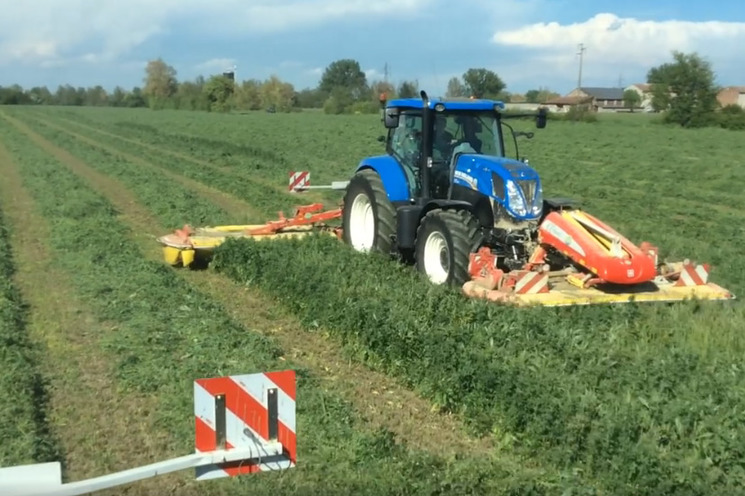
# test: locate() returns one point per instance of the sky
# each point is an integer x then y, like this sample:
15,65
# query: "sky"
528,43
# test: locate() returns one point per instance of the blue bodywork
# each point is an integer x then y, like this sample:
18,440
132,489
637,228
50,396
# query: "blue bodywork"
391,173
498,178
502,178
474,105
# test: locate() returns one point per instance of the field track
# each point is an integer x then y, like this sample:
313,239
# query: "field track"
83,391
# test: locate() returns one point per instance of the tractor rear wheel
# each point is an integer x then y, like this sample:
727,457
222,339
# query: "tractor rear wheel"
444,242
369,218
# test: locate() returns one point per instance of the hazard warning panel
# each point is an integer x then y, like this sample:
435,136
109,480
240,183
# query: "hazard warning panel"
246,412
299,181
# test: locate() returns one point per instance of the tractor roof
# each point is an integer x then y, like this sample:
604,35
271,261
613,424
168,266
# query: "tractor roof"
449,103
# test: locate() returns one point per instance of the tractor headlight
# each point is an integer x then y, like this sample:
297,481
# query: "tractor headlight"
538,202
515,200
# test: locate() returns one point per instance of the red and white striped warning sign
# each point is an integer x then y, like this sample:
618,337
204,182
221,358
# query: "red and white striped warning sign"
299,180
245,411
693,275
530,282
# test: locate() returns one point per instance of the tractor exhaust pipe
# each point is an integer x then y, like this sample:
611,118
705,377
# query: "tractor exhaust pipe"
425,167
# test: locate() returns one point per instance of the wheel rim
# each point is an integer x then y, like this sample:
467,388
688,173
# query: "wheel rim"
362,224
436,258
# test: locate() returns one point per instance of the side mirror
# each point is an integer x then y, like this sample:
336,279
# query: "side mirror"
390,118
541,118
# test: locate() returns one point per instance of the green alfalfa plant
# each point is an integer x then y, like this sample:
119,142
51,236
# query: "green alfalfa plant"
24,404
168,333
549,378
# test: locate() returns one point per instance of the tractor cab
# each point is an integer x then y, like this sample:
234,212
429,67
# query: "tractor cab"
428,140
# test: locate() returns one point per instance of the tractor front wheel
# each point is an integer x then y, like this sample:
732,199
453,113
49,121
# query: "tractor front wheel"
369,219
444,242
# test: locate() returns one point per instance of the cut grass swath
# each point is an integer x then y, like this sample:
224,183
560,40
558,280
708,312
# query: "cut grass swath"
169,333
24,430
574,386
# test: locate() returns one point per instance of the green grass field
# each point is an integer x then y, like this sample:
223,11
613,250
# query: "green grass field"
444,395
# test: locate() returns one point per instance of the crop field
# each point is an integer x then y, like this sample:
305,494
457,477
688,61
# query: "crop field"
403,388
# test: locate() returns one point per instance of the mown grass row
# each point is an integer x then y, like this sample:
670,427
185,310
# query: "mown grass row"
24,428
267,201
329,146
169,333
643,400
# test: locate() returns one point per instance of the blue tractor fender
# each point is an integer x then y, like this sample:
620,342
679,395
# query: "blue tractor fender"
391,173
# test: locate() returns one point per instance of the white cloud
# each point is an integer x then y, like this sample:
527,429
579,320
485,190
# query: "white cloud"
218,64
53,32
271,15
614,43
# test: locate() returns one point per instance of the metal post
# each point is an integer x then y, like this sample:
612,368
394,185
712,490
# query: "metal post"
272,414
581,54
220,434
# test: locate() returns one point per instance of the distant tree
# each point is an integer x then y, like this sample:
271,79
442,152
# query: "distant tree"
540,95
66,95
382,87
408,89
40,95
686,88
504,96
191,95
659,78
81,95
116,99
14,95
96,96
456,88
219,89
248,95
311,98
531,96
278,94
347,75
160,83
339,102
483,83
135,98
631,99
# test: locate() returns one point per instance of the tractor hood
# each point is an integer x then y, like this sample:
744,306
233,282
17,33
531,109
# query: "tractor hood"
511,183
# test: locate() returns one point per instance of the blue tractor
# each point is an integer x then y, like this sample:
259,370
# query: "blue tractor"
447,197
445,188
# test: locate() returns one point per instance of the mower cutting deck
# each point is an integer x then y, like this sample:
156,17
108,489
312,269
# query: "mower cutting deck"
533,284
188,245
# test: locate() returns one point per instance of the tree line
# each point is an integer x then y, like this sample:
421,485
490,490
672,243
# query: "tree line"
684,90
343,88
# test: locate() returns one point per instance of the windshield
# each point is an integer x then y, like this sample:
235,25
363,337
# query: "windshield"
474,132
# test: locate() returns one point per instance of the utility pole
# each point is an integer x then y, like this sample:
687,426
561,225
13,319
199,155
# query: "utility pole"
385,72
581,55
